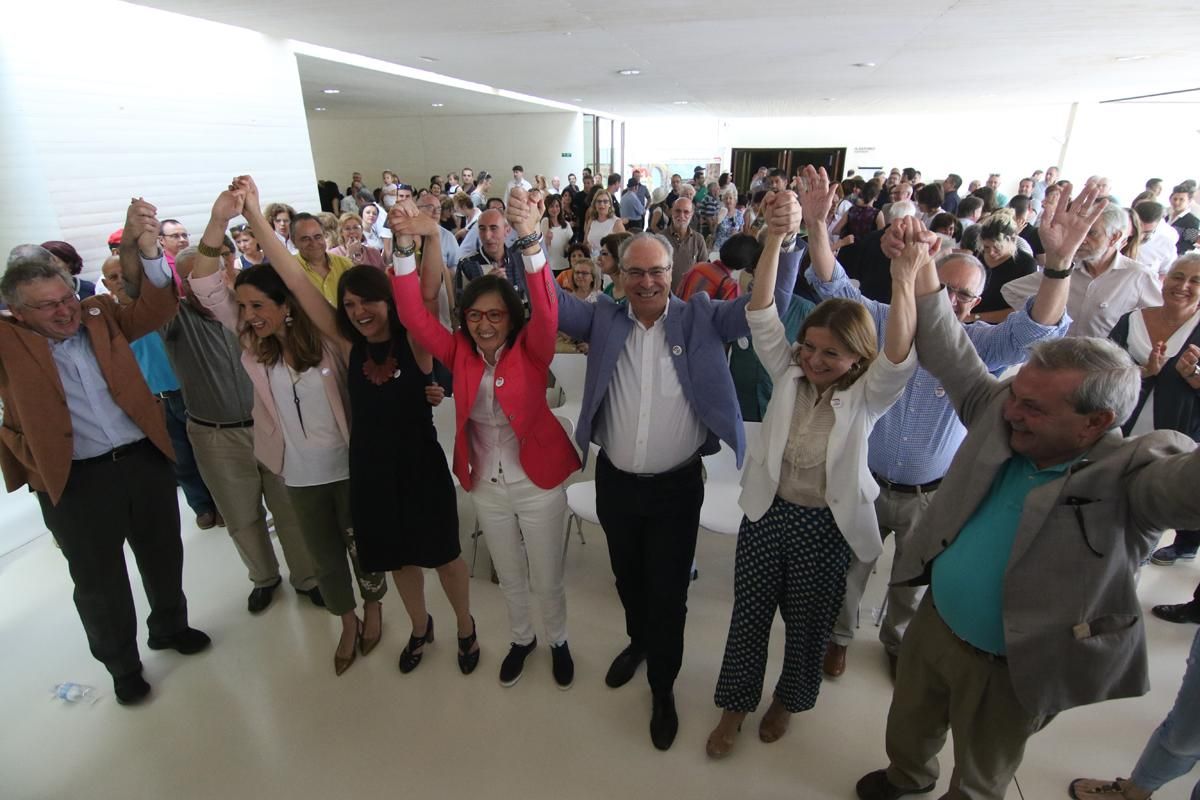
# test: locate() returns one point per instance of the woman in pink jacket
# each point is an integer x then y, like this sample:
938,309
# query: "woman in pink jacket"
510,452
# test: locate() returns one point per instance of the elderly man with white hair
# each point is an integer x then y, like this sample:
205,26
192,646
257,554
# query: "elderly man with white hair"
1105,285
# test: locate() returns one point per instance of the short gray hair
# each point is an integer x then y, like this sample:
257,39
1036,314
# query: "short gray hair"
28,263
185,256
1111,381
662,241
1114,219
970,259
900,209
1185,260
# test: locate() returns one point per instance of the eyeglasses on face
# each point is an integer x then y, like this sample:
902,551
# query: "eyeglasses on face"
637,274
962,294
180,236
53,305
494,315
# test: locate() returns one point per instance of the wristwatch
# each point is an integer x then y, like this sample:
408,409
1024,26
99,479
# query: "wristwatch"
1057,274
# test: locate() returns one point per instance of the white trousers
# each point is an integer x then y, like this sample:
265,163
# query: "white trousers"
524,527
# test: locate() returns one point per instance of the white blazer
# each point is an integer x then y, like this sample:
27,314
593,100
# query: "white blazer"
850,490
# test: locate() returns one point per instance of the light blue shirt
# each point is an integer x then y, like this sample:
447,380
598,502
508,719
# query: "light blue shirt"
968,577
915,441
98,424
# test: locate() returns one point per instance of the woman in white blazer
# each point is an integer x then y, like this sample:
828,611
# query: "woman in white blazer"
806,490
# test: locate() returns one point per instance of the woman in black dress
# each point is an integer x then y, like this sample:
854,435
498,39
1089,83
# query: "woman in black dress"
402,498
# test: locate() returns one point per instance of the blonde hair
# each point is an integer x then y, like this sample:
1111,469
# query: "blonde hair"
851,323
591,212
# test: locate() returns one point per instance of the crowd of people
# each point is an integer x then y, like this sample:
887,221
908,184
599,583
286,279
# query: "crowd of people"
1010,386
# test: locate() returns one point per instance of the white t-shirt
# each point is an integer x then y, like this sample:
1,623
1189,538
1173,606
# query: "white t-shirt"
315,452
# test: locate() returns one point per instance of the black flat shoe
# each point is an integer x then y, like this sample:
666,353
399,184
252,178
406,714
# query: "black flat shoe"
261,596
876,786
624,666
409,659
314,595
468,660
131,689
1181,613
664,722
186,641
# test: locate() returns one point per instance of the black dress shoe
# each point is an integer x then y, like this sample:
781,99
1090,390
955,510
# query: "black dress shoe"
664,722
186,641
130,689
260,597
624,665
313,594
1181,612
876,786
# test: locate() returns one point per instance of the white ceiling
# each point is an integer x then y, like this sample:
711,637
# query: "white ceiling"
760,58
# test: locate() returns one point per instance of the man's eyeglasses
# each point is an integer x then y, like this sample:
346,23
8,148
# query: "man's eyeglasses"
53,305
180,236
962,294
637,274
494,315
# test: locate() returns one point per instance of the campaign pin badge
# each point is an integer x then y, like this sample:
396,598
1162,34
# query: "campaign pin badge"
95,312
939,392
836,402
499,382
677,350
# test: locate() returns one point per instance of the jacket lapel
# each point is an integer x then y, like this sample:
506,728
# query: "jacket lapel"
39,348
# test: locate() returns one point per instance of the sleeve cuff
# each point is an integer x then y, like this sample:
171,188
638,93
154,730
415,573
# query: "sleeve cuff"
156,270
535,262
404,265
761,314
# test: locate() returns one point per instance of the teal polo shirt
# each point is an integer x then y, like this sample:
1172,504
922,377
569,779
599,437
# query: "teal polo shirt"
968,576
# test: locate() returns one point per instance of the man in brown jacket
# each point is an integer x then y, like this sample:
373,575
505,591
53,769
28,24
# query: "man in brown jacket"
82,430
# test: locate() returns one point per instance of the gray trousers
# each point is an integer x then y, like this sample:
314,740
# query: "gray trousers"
239,483
899,513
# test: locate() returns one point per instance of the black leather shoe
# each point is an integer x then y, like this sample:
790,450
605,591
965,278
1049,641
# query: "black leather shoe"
514,663
664,722
186,641
876,786
261,596
131,689
313,594
1181,612
623,666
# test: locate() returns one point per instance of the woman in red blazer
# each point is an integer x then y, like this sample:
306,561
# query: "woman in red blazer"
510,452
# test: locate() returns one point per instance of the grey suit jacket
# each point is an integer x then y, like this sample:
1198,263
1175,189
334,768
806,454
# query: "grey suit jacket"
1072,622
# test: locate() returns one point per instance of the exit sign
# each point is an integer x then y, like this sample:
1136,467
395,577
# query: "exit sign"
566,155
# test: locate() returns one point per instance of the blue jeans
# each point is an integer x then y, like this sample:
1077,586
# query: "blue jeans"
1174,747
187,474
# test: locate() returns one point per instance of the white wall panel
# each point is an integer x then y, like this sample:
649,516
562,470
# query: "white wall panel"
419,147
130,101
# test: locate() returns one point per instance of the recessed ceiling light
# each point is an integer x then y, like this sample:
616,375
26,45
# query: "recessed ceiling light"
865,64
629,72
576,99
437,105
1132,58
681,102
332,91
319,108
829,99
430,59
566,33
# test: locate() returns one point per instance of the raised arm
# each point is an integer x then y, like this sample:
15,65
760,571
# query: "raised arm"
158,301
542,328
902,315
406,223
783,221
816,198
1063,228
285,264
139,241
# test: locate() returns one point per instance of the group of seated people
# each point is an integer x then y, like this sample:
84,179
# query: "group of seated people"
307,373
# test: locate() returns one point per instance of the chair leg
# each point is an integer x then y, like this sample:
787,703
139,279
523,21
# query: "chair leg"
579,529
882,611
475,534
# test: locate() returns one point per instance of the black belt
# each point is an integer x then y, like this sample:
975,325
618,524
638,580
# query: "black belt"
649,475
907,488
246,423
165,395
117,453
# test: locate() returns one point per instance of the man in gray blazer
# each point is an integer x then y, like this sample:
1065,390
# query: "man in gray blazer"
1030,549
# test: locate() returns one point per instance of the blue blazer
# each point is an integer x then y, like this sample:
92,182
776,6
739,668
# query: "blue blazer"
696,332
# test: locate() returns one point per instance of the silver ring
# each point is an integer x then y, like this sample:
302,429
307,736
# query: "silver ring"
1195,371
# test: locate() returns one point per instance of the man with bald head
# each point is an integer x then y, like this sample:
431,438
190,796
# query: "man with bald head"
492,254
912,445
659,396
83,431
686,242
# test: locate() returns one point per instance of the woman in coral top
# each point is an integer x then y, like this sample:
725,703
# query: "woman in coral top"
510,452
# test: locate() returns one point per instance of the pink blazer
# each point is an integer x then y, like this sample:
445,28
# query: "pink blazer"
547,455
214,295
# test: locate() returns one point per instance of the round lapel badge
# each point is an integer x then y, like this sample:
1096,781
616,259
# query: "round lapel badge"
95,312
939,392
499,382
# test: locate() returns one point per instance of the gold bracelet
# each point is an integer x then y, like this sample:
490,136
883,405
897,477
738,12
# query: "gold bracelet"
211,252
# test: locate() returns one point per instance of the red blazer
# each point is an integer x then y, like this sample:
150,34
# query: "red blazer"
547,455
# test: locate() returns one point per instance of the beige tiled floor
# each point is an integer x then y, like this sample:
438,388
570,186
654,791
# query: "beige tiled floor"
261,714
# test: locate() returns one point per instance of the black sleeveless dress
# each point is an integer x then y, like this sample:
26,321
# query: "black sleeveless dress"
402,498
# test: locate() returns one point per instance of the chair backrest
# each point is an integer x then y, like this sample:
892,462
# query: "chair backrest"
570,371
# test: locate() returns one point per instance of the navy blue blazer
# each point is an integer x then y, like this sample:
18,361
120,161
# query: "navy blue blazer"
696,332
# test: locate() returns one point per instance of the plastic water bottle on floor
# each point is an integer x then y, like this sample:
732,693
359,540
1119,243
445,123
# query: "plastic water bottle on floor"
75,693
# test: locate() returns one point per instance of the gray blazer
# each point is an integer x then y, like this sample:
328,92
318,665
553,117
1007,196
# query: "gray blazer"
1072,622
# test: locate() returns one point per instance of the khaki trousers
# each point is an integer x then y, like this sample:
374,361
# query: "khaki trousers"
942,683
239,482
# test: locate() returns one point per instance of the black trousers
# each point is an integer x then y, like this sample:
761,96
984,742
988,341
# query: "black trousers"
105,504
651,525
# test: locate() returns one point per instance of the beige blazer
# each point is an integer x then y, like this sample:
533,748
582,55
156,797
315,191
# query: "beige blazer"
1072,621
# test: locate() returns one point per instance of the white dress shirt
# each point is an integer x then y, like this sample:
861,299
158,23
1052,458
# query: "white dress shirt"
1096,303
646,425
495,451
1160,252
315,452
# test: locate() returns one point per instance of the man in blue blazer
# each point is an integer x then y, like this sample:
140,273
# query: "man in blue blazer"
659,395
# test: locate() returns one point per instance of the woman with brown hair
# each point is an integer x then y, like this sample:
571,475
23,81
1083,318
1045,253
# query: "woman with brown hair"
806,491
300,397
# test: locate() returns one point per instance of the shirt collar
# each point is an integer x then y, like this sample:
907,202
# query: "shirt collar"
636,321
